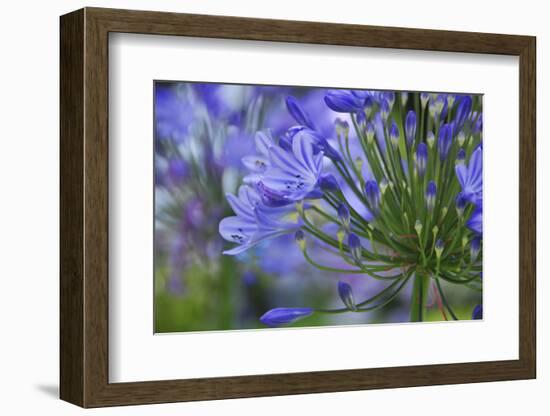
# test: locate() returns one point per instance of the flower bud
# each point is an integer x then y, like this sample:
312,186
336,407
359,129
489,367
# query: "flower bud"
421,159
451,100
344,216
280,316
342,127
369,132
418,227
406,218
328,183
461,156
394,135
410,127
346,294
439,247
431,190
355,247
424,98
404,97
461,138
463,111
460,204
368,106
372,193
390,98
439,103
445,140
297,112
430,139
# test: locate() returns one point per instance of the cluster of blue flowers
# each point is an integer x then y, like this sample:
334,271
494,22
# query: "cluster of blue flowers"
397,196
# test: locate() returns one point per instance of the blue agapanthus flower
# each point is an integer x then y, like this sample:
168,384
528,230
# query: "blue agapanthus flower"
254,221
294,174
379,194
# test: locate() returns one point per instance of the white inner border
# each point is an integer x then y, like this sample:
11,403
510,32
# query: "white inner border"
135,354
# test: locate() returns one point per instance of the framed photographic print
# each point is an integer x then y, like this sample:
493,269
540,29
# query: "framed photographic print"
242,200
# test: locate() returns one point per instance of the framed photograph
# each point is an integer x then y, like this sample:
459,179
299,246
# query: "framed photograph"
263,207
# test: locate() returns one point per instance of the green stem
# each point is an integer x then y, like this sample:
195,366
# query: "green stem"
421,284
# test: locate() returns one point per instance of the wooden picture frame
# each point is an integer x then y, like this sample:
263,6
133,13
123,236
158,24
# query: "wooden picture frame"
84,207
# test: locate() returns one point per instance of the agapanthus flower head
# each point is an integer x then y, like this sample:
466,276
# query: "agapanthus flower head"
445,140
394,134
431,191
346,295
298,113
355,247
377,207
421,158
281,316
410,127
372,194
475,247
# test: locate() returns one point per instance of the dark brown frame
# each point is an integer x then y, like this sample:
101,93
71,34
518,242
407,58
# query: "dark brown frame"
84,207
